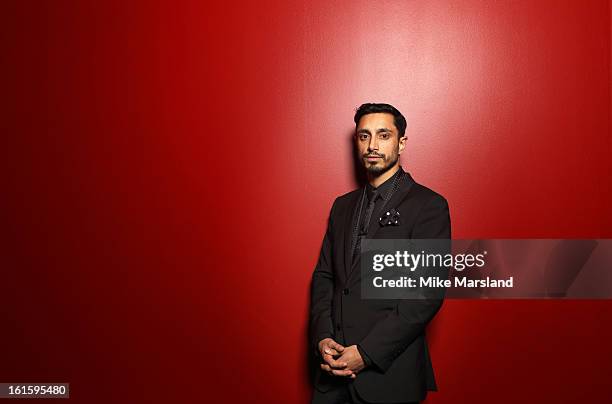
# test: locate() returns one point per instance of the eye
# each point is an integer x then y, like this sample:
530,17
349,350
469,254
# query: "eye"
363,136
383,136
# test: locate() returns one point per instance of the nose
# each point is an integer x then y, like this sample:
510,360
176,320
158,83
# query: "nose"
373,144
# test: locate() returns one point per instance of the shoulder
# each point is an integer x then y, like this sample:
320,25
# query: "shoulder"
348,197
344,202
431,214
426,195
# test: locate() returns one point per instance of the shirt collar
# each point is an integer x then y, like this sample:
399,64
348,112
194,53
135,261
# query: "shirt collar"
384,187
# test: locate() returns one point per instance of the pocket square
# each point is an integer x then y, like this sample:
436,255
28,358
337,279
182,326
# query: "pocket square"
390,218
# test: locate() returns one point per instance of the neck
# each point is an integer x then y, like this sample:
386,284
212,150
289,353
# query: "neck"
377,181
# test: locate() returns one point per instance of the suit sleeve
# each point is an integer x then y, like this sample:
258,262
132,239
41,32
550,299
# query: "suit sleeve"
392,335
322,290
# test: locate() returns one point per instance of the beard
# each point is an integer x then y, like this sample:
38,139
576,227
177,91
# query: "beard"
379,169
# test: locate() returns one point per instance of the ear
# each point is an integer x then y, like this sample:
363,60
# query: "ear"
402,143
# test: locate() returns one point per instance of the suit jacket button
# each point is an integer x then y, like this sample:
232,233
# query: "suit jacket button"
345,291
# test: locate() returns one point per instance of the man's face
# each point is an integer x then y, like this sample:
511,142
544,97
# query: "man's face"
378,144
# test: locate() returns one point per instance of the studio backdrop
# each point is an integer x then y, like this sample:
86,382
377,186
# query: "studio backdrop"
168,169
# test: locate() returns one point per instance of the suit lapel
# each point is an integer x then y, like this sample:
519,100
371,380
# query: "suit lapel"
348,232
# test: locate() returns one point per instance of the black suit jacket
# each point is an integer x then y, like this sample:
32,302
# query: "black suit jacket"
390,332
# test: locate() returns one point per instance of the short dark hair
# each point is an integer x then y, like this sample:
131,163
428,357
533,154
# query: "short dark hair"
373,108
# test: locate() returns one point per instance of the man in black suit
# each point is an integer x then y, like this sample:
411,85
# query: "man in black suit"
373,351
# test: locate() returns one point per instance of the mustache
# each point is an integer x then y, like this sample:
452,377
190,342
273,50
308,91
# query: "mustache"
366,155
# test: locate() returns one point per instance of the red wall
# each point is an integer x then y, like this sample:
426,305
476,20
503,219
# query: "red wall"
168,167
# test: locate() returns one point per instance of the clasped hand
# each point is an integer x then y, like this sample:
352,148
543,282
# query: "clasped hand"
339,360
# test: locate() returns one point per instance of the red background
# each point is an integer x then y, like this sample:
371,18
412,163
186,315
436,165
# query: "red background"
168,168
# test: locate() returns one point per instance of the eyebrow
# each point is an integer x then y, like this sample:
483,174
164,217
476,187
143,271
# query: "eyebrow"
381,130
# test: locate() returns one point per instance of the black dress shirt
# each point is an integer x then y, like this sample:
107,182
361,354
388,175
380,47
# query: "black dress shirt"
381,192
